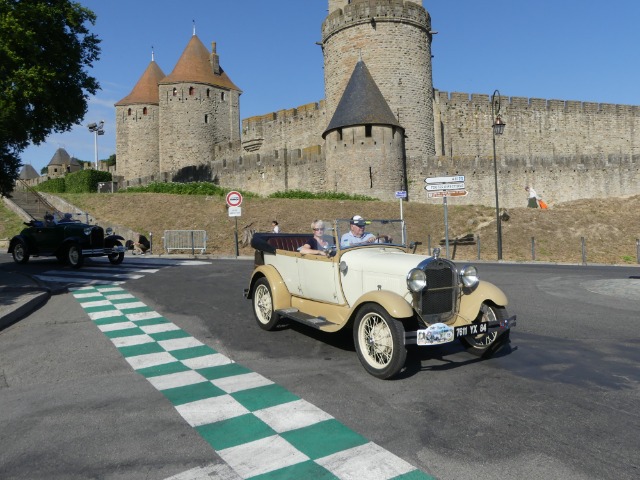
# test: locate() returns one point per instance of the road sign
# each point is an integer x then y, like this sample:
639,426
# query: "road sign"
234,199
401,194
235,211
444,186
447,193
457,178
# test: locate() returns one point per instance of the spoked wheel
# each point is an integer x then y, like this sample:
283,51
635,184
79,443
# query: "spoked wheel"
379,341
116,257
263,305
481,345
20,252
74,256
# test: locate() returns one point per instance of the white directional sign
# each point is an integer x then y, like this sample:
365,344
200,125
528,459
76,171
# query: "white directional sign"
444,186
457,178
447,193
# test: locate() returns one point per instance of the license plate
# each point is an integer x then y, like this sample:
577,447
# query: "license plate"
473,329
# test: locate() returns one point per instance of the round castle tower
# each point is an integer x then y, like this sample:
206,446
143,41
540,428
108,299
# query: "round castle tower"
137,117
394,39
199,108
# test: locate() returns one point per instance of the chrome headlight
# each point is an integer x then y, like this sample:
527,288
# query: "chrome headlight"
88,230
416,280
469,276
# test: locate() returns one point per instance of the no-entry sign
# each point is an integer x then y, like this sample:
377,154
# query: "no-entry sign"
234,199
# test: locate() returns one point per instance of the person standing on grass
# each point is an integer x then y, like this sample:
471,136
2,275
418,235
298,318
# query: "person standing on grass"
276,227
532,202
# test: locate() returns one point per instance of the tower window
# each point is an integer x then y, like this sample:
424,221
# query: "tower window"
206,118
144,111
339,134
367,130
129,112
175,91
223,96
192,91
208,92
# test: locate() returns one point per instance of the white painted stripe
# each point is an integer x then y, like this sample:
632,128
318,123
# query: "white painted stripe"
105,314
211,410
87,295
112,327
262,456
292,415
238,383
80,288
175,380
136,317
378,463
161,327
213,360
179,343
110,289
119,296
97,303
150,360
193,262
132,340
103,274
220,471
129,305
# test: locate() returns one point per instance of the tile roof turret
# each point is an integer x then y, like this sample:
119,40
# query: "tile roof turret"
146,90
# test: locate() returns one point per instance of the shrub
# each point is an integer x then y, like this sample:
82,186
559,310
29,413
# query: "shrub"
85,181
53,185
301,194
192,188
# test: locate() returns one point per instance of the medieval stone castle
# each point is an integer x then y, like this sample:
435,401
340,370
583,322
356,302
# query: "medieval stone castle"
382,126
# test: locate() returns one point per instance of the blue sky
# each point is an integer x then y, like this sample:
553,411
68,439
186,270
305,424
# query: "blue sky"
584,50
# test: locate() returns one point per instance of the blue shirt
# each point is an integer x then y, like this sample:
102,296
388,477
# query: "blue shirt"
350,240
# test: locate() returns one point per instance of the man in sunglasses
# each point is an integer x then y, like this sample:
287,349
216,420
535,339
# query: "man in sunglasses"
356,235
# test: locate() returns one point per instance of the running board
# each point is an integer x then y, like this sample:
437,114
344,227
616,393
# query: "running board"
308,320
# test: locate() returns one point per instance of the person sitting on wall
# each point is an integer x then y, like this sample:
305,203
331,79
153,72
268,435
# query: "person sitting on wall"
141,246
316,245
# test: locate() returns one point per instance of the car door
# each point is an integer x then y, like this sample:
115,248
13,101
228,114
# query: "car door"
318,277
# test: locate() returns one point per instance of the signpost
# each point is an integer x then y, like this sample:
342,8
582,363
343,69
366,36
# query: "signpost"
234,200
401,195
444,187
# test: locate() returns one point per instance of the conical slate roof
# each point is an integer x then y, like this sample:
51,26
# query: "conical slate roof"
362,103
194,66
61,157
146,90
28,173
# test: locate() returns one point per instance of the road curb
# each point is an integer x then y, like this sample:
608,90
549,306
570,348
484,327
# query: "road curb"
18,302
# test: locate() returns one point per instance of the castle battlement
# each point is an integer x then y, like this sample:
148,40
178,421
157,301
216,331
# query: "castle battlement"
304,111
375,10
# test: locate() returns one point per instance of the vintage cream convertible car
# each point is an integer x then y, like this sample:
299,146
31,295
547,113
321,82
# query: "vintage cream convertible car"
389,296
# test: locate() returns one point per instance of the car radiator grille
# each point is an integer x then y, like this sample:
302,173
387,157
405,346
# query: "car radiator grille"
440,295
97,237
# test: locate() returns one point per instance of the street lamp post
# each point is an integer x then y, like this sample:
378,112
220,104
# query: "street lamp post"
497,129
96,129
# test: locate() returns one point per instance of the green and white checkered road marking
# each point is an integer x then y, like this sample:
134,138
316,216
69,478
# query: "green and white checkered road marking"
261,430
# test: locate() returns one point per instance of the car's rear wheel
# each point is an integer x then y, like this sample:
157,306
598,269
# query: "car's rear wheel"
74,256
263,305
379,341
117,257
483,345
20,252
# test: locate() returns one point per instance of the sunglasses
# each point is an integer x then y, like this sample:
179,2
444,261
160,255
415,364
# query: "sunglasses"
317,229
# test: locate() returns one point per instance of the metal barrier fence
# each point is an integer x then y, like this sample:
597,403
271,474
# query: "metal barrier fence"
185,240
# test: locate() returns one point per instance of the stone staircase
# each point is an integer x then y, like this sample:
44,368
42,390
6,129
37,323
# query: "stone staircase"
31,203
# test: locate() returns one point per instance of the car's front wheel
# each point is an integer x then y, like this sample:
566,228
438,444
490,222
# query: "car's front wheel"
20,252
116,257
263,305
483,345
74,256
379,341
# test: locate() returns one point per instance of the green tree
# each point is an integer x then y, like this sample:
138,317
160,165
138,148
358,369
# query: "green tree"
46,50
111,161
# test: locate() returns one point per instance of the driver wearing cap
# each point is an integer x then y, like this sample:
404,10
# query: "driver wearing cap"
356,235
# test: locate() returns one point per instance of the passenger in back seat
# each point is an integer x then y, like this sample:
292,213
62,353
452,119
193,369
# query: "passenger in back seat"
317,244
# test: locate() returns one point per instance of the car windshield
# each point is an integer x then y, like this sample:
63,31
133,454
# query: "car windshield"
373,232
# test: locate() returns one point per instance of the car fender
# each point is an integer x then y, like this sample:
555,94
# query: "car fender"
394,304
281,297
111,239
470,304
12,243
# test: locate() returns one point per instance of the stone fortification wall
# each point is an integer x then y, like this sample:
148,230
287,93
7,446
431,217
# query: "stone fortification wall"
557,179
295,128
394,41
137,140
193,118
535,127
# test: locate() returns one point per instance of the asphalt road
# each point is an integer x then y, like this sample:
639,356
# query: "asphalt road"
561,401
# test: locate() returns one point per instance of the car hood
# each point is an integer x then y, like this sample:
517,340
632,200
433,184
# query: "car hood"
385,260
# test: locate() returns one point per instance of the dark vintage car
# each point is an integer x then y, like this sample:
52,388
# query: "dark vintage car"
69,240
